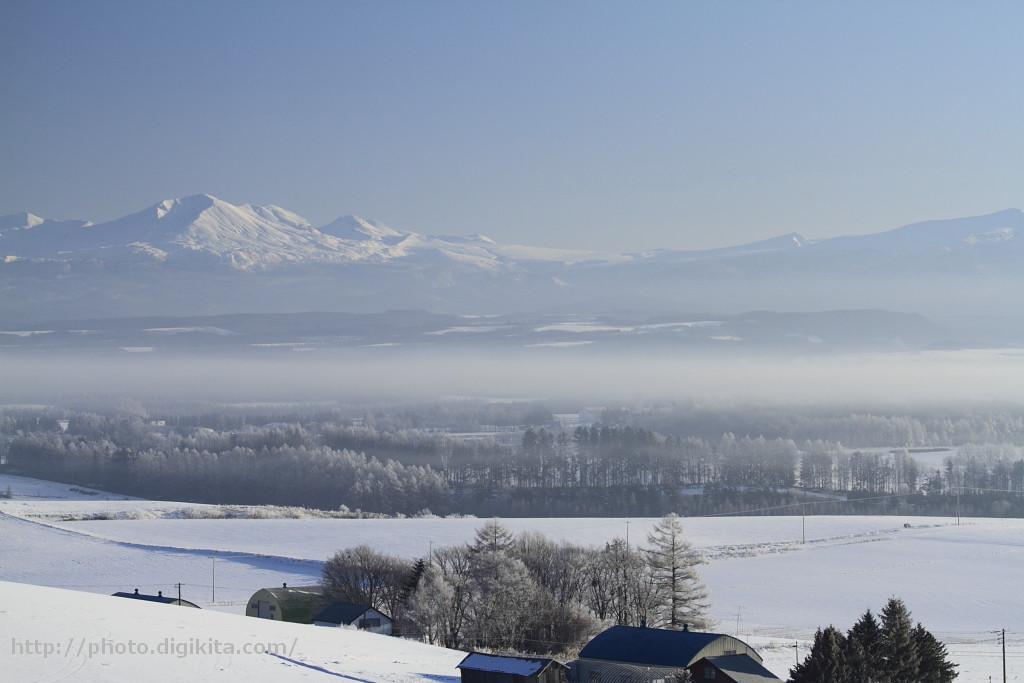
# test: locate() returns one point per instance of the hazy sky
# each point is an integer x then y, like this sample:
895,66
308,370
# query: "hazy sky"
583,124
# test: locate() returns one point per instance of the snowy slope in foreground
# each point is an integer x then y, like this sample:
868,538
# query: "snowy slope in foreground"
48,634
961,581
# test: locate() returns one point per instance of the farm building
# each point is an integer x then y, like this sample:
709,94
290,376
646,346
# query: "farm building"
731,669
478,667
297,604
363,617
159,597
651,654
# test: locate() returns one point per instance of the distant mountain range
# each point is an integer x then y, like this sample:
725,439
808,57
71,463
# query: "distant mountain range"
200,256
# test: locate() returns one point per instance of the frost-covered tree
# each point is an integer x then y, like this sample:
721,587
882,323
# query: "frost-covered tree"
493,537
681,595
439,605
506,601
430,608
619,583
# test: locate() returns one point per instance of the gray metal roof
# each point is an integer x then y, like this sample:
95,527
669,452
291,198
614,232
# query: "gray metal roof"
742,669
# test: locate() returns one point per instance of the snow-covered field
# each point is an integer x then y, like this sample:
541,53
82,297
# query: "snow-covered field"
963,582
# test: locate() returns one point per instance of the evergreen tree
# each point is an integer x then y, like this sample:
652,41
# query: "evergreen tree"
826,661
682,598
900,659
934,667
857,662
863,646
872,652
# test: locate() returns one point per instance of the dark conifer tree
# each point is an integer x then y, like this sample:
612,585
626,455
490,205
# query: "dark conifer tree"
934,667
863,645
826,661
898,647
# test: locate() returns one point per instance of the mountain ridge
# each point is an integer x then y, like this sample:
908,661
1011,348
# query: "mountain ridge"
202,222
200,255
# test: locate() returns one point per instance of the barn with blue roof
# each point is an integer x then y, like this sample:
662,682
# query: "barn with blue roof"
661,653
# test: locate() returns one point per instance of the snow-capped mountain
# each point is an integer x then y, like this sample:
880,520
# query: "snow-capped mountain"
204,230
199,255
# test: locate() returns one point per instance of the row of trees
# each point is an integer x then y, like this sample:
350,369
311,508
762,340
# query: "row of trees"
891,651
315,477
596,470
856,427
527,593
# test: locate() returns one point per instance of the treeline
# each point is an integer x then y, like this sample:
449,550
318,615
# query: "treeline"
597,470
255,466
856,427
527,593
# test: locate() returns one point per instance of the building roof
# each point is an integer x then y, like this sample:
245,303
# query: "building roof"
515,666
296,592
342,612
161,598
296,603
142,596
742,669
651,646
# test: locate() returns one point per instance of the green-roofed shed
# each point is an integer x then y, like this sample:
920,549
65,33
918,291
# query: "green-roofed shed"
297,604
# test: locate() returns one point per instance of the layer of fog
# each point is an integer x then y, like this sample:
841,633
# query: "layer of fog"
557,374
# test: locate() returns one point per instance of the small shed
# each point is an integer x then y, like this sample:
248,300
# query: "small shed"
159,597
659,652
731,669
363,617
479,667
297,604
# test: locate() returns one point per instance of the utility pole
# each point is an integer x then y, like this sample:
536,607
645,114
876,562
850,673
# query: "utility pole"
803,524
1003,638
213,579
627,533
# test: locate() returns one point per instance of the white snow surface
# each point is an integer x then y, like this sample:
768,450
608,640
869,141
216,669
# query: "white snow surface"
767,584
49,634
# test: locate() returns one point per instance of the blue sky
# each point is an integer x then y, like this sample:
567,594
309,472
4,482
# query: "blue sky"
603,125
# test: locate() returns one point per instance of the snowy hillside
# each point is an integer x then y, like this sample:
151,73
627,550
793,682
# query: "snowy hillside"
766,584
51,634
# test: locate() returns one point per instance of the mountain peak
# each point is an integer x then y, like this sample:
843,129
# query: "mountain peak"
20,221
195,203
359,229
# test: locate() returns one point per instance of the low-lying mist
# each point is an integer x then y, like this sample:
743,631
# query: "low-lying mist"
551,374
